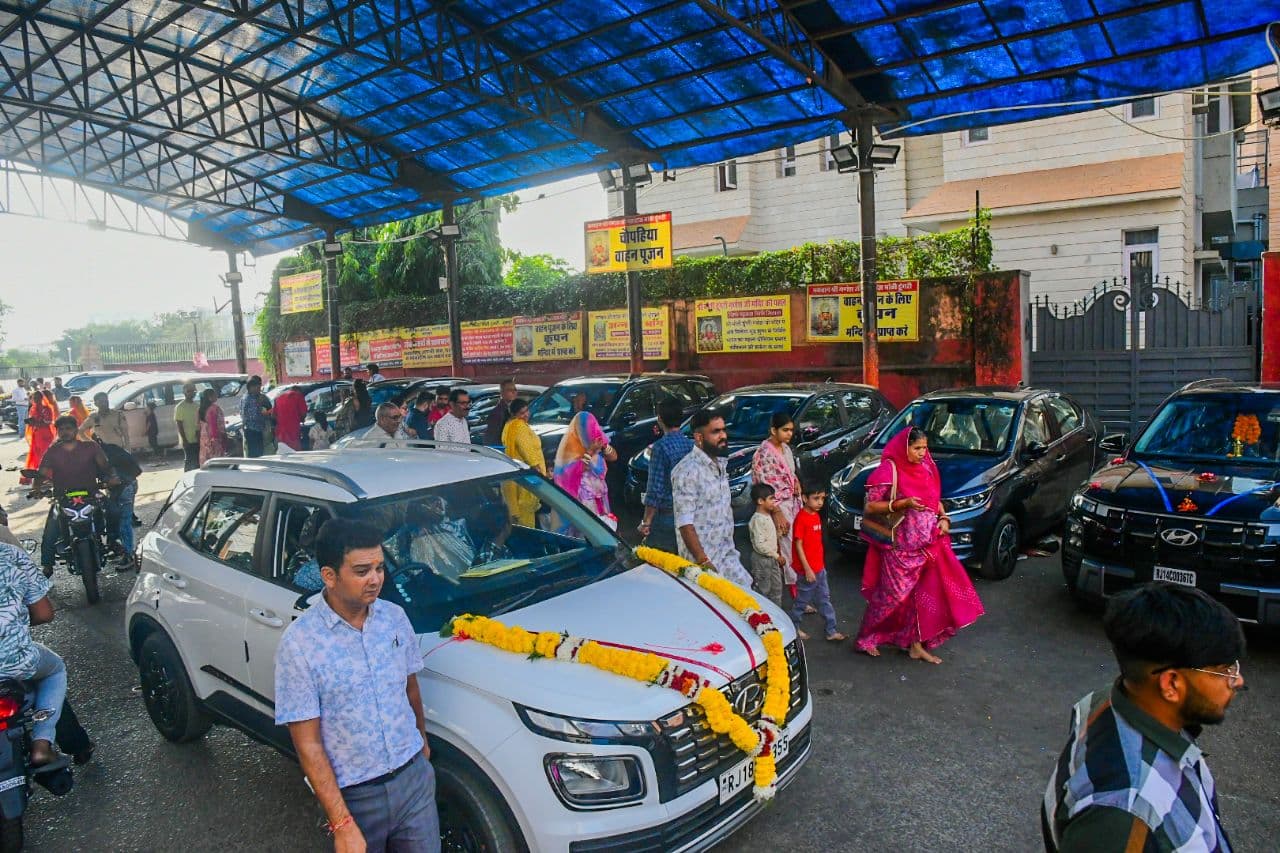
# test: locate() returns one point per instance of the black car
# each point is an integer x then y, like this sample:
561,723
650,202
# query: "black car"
1194,500
485,396
1009,459
834,421
625,406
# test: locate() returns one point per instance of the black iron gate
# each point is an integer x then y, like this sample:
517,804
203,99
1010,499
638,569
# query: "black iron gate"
1120,353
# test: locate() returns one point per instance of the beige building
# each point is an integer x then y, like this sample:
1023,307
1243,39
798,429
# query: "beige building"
1075,199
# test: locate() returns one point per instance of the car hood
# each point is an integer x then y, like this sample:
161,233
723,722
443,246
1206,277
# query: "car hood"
961,473
643,608
1225,492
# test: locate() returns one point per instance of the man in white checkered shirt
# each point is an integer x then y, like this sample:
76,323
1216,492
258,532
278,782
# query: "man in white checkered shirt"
1132,777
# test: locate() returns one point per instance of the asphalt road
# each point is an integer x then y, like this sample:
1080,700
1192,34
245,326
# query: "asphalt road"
906,756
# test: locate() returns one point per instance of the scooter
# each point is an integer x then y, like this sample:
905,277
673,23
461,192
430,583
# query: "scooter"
17,715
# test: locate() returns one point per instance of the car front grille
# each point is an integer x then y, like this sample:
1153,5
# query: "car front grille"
689,753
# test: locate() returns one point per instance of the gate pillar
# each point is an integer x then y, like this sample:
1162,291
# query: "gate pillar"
1270,371
1001,330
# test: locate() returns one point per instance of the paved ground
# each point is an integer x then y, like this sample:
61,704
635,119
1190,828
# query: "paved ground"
906,757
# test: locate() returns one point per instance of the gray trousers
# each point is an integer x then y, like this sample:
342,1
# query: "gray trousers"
766,575
398,816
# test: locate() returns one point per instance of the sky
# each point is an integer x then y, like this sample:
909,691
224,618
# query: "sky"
60,275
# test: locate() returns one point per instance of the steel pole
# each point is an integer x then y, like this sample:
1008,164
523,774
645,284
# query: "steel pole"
867,226
237,315
331,283
450,242
635,317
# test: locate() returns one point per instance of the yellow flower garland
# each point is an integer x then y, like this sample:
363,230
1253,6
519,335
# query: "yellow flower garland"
756,741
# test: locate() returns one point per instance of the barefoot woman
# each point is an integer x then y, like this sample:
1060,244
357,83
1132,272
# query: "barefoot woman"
918,595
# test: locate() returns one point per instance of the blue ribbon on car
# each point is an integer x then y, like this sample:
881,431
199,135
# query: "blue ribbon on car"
1164,496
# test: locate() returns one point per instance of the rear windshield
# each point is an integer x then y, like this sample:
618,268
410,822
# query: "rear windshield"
1215,428
747,416
958,426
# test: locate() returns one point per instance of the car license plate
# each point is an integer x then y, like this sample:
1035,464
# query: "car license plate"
857,522
741,775
1181,576
12,783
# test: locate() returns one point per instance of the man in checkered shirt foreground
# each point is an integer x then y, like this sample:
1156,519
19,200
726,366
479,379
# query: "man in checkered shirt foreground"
1131,777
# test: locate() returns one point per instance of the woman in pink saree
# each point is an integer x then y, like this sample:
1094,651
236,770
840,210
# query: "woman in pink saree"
581,462
918,595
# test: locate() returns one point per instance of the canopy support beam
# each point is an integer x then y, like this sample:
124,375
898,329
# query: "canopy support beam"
867,227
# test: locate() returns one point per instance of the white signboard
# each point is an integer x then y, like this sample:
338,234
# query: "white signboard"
297,358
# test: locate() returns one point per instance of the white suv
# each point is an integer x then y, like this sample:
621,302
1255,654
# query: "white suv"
531,755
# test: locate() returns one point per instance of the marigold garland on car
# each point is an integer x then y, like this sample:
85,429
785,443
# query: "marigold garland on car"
757,741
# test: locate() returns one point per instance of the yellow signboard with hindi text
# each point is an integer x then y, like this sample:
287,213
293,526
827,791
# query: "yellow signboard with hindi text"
301,292
629,243
835,312
745,324
610,334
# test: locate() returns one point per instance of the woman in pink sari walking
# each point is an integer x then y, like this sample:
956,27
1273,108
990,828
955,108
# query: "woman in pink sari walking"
918,595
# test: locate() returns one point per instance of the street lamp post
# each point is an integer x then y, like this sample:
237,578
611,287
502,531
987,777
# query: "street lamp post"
724,245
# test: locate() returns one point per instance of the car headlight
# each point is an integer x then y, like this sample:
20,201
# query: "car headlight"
583,731
1088,506
960,503
596,781
740,491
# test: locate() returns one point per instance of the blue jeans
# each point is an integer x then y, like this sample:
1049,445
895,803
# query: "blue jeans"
253,443
819,595
123,510
22,421
50,682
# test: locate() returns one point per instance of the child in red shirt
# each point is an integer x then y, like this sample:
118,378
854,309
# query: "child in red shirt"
807,560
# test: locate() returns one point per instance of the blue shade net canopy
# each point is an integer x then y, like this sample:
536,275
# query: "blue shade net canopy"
264,124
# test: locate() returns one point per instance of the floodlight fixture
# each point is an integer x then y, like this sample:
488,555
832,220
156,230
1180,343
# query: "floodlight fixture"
607,179
845,157
233,277
638,174
450,230
883,154
333,248
1269,106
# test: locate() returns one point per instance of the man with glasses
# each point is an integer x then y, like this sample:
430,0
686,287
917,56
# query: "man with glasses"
1132,776
388,424
453,426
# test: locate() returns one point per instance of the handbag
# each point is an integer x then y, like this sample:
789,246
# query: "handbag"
879,527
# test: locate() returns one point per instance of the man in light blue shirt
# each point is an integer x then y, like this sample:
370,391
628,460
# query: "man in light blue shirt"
347,688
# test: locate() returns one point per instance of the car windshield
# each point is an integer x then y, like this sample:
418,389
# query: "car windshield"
747,416
1215,428
380,394
448,553
556,405
958,426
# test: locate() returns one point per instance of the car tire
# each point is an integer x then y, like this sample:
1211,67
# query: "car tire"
166,691
1002,549
472,814
11,835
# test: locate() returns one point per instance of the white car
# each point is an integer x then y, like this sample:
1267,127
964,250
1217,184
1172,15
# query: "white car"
165,390
537,755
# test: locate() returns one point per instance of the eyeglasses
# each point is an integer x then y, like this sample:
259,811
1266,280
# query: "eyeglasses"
1233,675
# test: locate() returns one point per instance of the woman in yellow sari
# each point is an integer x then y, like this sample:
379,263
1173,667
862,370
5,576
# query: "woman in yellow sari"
522,444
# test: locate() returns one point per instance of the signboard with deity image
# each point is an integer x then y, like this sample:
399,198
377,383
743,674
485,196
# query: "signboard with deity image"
835,312
744,324
629,243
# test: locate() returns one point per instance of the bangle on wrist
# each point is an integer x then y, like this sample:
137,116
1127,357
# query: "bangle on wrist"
342,824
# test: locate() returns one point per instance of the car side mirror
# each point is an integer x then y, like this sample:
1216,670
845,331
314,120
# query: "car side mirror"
1116,442
129,406
1035,450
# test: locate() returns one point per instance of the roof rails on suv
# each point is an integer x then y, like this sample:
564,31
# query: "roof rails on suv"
1205,383
296,468
431,444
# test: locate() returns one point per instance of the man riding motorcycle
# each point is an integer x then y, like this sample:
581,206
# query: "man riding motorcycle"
71,465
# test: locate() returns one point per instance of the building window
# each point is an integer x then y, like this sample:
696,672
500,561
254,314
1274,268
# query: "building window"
831,143
1141,257
727,176
977,135
1142,108
787,162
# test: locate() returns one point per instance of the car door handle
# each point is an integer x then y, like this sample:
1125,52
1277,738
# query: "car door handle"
1060,458
266,617
174,580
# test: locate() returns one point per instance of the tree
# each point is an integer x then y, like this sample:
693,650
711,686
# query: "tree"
536,271
4,309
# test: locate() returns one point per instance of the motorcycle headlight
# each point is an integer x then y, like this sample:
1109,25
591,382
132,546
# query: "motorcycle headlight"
960,503
596,781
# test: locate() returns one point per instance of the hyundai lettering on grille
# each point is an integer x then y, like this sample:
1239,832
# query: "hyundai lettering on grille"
1180,537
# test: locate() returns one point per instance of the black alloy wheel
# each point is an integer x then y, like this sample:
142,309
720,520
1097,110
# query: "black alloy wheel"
473,818
1002,551
167,693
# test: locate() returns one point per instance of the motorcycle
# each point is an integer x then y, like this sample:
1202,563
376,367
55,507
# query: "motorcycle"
17,715
82,543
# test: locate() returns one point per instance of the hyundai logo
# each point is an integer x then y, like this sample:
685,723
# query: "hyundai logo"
1180,537
749,700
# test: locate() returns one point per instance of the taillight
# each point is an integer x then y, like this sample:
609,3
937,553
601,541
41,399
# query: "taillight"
9,707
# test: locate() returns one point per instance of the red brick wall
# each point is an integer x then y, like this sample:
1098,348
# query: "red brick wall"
968,335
